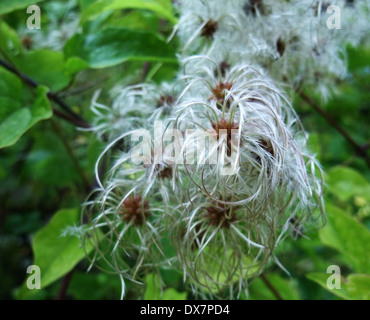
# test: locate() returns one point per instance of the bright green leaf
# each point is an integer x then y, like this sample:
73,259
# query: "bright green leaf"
172,294
135,20
74,65
354,287
349,237
56,254
12,128
345,183
113,46
159,7
18,122
153,290
46,67
286,288
9,40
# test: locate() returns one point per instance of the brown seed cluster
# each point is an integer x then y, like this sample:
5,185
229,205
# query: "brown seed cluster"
165,173
280,47
209,29
27,43
220,215
267,146
135,210
323,6
255,6
219,91
165,100
224,66
223,124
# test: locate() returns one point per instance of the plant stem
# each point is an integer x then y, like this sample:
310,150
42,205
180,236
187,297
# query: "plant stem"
70,119
83,88
271,287
64,286
361,150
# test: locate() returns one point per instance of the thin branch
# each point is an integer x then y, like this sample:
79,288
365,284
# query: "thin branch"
146,68
51,95
271,287
30,82
70,119
82,89
361,150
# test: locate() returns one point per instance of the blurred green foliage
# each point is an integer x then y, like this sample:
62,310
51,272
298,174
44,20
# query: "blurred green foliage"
125,42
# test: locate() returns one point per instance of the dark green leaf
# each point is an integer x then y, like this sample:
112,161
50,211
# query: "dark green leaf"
7,6
10,93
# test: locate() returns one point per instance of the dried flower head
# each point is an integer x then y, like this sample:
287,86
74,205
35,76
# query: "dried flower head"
134,210
209,29
228,174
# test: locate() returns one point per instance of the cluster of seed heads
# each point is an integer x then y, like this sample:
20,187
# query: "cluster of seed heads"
218,223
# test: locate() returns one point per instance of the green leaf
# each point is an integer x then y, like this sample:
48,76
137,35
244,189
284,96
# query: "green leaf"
9,40
113,46
12,128
162,8
47,67
19,121
135,20
56,254
286,288
106,286
354,287
358,57
345,183
75,65
10,93
7,6
349,237
172,294
153,290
